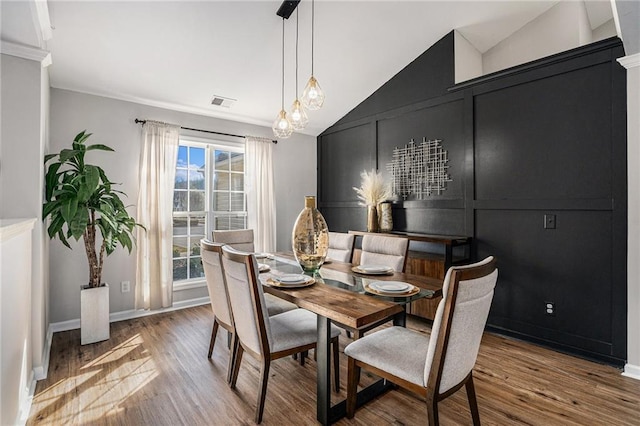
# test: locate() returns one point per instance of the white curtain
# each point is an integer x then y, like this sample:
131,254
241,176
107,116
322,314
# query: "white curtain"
154,271
261,196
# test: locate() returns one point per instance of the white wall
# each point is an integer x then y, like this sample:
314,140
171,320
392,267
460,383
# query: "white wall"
24,110
565,26
468,60
633,213
112,122
16,366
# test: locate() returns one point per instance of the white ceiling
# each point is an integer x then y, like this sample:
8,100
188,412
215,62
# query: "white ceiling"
178,54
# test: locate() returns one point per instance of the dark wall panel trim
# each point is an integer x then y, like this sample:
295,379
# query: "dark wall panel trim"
568,204
441,100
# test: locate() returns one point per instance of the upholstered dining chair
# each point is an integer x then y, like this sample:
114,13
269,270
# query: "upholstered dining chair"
222,317
434,366
263,337
341,246
239,239
381,250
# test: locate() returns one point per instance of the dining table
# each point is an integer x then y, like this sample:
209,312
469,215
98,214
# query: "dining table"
343,295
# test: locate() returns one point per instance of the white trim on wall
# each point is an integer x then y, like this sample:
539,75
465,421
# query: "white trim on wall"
632,371
630,61
130,314
26,52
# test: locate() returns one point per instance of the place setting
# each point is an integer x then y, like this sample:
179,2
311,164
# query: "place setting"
372,269
391,288
290,281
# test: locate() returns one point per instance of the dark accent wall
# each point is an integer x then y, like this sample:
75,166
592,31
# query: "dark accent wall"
544,138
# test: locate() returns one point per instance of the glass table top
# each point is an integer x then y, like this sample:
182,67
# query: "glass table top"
347,281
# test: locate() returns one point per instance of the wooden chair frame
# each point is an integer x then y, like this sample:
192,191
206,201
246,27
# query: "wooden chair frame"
430,392
238,348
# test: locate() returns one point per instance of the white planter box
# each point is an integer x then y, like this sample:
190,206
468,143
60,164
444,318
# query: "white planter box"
94,314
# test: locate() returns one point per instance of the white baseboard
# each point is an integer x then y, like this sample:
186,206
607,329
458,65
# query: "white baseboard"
632,371
25,406
74,324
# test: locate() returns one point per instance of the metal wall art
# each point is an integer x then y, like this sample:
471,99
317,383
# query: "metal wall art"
419,169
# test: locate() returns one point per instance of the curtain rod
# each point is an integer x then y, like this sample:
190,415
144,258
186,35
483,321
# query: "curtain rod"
138,121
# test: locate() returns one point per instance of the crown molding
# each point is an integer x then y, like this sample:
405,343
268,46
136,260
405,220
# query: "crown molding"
26,52
630,61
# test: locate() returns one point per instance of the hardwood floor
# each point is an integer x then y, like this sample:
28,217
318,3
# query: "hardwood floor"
154,371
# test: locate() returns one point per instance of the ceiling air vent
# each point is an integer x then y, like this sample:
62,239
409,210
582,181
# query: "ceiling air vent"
221,101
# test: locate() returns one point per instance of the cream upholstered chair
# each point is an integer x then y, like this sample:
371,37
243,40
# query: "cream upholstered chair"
434,366
388,251
222,317
341,246
265,338
239,239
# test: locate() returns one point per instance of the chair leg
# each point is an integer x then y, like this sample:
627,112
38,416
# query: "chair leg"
353,378
236,365
214,332
264,379
233,353
303,356
432,411
348,334
473,402
336,364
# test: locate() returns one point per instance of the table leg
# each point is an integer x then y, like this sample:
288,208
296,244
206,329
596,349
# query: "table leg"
323,389
400,319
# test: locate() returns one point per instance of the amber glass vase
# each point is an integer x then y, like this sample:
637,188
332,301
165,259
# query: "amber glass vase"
310,237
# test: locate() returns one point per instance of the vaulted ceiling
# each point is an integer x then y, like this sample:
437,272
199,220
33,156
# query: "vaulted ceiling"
179,54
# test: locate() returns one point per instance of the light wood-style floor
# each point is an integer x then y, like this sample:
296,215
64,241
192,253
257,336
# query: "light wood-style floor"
154,371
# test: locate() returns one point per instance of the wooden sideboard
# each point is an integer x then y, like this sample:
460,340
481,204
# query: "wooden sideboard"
427,263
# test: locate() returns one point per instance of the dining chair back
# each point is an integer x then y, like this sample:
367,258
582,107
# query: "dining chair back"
239,239
434,366
218,296
247,300
382,250
341,246
265,338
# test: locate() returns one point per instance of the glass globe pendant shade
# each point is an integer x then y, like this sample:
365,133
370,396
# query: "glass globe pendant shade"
298,116
282,126
313,96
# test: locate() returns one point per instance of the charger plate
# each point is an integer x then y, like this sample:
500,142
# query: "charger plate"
413,291
272,282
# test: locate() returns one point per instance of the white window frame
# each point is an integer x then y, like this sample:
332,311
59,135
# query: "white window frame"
210,146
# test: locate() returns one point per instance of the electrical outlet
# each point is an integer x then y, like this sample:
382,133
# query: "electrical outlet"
550,308
549,221
125,286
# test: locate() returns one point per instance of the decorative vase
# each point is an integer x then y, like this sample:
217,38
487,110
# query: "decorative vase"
385,217
372,219
310,237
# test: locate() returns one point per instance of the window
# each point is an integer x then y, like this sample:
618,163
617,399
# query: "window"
208,195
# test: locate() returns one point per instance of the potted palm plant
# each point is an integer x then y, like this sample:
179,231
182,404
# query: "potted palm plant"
81,202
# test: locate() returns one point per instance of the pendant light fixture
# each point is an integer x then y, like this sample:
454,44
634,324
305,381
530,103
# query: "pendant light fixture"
299,118
282,127
313,96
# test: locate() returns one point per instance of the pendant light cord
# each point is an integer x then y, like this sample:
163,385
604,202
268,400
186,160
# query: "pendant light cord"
282,97
296,53
313,8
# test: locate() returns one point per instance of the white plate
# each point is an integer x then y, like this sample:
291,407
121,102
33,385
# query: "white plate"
375,269
391,286
291,279
263,267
